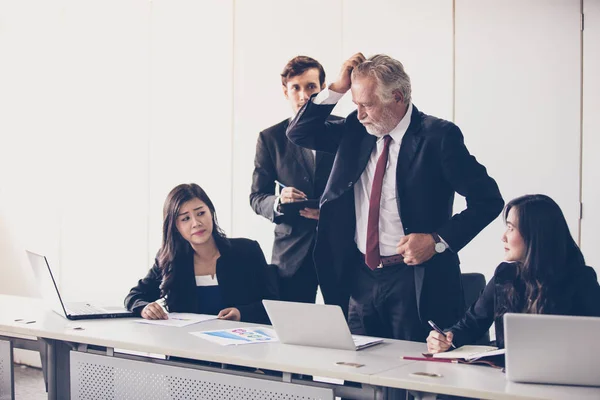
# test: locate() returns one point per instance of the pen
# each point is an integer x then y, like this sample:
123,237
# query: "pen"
438,330
280,184
444,360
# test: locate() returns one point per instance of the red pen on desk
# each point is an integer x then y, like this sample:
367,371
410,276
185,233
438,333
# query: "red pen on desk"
444,360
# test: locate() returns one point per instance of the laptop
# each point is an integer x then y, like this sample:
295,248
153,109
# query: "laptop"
317,325
73,311
552,349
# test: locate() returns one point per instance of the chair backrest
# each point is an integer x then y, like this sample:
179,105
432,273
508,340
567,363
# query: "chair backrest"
473,284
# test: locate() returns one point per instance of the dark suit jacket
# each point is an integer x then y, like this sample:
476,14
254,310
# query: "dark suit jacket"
433,164
242,273
579,295
279,159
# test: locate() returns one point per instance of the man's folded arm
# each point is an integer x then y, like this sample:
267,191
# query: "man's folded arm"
310,128
469,179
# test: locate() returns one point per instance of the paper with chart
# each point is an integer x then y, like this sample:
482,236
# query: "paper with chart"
179,319
237,336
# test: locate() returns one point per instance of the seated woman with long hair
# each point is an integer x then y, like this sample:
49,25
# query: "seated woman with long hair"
544,273
198,269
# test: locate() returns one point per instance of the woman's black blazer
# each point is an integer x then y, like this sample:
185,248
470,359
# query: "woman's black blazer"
243,275
579,295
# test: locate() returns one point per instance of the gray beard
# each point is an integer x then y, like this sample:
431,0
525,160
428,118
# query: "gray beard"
388,122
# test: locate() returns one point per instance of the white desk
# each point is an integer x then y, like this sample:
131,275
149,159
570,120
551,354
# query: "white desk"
63,339
91,351
475,381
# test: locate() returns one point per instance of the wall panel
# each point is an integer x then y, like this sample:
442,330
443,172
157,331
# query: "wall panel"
517,102
590,224
191,105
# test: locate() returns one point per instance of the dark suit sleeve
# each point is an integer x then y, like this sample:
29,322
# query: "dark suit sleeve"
311,129
262,193
264,286
470,179
146,291
477,320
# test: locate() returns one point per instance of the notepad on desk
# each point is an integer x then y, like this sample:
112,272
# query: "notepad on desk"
469,353
488,355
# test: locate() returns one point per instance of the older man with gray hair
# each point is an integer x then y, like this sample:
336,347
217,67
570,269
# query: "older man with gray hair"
387,241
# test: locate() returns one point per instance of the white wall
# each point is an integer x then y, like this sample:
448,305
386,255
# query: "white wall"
590,222
106,105
517,100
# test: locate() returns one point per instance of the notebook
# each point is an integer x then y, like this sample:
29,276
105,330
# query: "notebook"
296,206
470,353
73,311
552,349
317,325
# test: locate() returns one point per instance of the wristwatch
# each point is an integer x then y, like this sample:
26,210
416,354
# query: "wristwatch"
440,246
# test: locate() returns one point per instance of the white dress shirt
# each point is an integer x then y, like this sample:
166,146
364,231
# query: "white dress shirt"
390,225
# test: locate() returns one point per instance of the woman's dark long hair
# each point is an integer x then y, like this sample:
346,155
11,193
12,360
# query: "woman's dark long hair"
175,250
550,255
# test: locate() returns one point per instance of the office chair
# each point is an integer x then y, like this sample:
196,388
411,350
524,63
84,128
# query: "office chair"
473,284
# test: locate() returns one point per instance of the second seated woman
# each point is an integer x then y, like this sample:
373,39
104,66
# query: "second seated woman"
198,269
544,273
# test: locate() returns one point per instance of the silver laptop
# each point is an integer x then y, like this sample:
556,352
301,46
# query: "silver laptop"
316,325
73,311
552,349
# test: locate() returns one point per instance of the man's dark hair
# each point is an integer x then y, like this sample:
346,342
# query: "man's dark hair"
299,65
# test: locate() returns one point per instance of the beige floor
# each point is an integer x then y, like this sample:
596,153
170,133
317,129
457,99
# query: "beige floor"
29,383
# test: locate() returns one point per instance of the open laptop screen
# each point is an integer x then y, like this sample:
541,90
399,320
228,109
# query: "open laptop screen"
46,282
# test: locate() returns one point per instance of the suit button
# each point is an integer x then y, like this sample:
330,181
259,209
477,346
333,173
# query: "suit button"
349,184
406,230
306,178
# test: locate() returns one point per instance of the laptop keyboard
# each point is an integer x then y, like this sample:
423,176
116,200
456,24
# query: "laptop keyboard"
83,309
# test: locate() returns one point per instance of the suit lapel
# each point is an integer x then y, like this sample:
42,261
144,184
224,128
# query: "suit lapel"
364,153
310,162
297,151
408,150
318,158
190,284
301,158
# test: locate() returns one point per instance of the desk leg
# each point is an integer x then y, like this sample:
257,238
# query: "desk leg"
423,395
57,369
43,348
394,394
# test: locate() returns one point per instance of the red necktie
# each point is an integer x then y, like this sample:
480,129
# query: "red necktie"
372,257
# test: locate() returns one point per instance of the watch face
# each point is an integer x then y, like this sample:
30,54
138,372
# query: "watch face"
440,247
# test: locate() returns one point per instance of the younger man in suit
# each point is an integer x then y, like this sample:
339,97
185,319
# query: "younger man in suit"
304,174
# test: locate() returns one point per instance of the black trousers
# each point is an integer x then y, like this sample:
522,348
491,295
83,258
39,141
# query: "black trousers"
300,287
383,303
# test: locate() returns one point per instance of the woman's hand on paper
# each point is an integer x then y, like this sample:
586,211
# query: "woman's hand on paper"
231,313
437,343
154,311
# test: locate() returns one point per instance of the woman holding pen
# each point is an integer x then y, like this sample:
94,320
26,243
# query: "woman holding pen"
198,269
544,273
